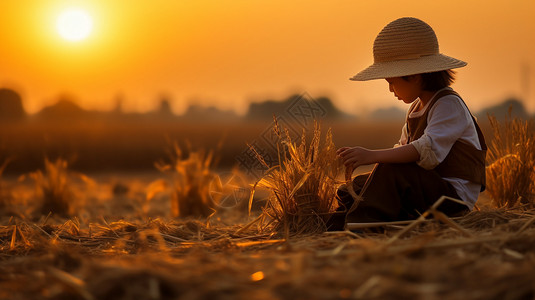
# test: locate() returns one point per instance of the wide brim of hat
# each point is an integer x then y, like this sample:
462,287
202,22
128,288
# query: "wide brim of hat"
399,68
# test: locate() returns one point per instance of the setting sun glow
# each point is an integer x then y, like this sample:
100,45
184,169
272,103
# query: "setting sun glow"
74,25
228,54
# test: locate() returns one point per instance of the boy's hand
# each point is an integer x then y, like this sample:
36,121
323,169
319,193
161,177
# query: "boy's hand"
353,157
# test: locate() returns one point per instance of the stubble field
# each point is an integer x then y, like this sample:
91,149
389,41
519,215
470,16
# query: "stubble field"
119,238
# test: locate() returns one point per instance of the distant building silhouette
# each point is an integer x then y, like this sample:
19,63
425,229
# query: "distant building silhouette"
118,109
332,112
11,106
207,114
500,111
64,110
266,109
165,107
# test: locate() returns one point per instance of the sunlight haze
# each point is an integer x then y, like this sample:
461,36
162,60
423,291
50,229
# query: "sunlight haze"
229,53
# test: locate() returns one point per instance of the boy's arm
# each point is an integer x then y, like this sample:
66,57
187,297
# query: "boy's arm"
354,157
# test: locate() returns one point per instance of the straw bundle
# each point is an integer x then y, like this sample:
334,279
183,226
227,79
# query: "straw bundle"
303,185
191,182
53,187
511,174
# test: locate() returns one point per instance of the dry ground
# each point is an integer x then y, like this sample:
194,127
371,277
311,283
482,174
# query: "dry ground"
120,247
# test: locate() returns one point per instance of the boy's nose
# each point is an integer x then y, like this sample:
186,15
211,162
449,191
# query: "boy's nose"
390,87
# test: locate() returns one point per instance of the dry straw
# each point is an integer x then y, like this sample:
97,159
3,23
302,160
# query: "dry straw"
192,176
52,186
511,173
304,183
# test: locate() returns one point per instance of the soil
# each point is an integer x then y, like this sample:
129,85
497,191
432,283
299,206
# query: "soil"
118,247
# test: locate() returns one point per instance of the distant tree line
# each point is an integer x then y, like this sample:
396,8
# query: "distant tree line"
12,110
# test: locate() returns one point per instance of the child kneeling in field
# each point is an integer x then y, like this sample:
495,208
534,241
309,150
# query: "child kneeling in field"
441,151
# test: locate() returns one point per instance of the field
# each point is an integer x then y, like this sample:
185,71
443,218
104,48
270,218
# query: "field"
136,145
119,238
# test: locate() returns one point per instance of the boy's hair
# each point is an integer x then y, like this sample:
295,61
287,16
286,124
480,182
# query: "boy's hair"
436,80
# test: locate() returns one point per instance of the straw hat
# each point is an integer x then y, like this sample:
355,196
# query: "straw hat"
406,46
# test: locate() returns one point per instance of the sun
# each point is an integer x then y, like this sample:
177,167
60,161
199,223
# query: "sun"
74,24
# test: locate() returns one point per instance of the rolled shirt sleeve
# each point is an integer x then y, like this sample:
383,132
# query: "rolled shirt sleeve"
428,159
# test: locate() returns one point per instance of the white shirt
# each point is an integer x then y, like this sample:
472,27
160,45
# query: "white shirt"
448,121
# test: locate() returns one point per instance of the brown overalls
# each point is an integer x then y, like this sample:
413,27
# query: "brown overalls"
403,191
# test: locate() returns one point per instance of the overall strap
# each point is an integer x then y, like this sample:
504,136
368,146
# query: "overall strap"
478,130
415,128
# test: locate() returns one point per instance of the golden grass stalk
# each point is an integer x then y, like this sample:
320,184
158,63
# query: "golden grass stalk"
511,172
192,176
303,185
53,187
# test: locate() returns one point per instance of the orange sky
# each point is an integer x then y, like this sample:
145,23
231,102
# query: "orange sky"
232,52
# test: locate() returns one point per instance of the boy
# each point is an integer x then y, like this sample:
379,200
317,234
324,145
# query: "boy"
441,150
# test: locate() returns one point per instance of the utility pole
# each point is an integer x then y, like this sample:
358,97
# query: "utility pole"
525,77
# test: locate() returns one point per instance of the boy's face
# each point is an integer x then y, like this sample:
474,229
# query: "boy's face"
406,89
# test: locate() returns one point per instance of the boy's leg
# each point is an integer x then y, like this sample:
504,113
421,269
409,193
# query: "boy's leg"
338,220
402,192
345,200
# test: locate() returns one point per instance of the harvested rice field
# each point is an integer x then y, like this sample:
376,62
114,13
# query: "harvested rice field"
120,246
214,150
193,231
